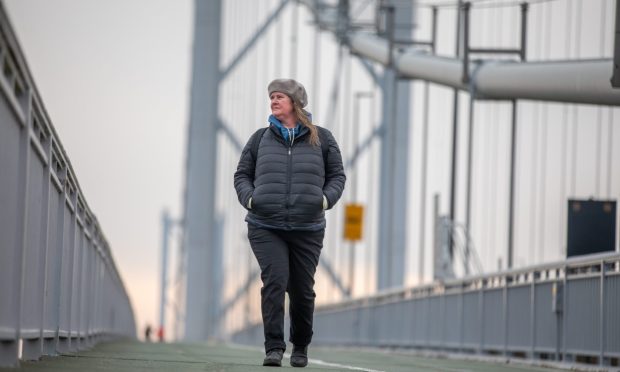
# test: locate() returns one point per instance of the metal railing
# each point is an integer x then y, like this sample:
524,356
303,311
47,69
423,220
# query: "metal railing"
60,288
565,311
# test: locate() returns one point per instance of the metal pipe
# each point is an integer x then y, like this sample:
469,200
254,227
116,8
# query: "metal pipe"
576,81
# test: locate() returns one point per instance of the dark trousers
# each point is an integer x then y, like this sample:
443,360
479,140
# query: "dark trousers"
288,261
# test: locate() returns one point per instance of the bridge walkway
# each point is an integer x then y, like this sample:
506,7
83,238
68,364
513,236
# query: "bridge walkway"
136,356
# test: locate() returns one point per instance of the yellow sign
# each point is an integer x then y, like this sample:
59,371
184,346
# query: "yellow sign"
353,221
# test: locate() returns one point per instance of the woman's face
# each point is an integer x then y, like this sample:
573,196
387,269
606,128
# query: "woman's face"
281,105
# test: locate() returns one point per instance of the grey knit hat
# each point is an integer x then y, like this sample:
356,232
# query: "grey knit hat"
290,87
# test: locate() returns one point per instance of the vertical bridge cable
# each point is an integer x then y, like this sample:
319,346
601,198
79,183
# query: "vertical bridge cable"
316,72
575,128
345,134
371,241
599,111
564,129
610,137
535,125
424,163
423,175
455,114
294,36
497,16
331,122
546,8
279,36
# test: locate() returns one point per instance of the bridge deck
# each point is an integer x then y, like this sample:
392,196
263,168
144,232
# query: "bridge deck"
135,356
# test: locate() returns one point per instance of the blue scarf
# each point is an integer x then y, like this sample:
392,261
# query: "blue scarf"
287,132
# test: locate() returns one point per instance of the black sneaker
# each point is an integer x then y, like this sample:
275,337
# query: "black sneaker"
299,356
274,358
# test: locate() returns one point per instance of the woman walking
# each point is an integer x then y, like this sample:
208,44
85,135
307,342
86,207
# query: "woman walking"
289,173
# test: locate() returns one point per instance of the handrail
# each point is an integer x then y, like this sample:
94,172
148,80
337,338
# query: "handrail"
61,289
482,279
569,316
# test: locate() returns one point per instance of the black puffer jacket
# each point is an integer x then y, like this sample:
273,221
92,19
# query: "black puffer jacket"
287,188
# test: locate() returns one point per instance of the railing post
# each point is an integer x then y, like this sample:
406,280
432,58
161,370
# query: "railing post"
602,314
46,259
481,315
615,79
564,311
505,311
462,317
33,299
60,241
533,314
9,347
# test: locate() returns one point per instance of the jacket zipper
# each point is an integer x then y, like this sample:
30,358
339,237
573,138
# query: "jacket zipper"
291,134
289,174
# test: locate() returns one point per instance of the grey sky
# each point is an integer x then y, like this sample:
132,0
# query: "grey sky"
114,77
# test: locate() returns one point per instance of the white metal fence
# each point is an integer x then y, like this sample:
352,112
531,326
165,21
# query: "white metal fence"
567,311
60,290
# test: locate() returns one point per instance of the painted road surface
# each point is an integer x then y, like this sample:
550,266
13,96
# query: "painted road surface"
135,356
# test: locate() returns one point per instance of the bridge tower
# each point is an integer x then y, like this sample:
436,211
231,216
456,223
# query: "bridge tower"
200,244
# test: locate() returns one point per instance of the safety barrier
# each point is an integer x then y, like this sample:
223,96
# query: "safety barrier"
566,311
60,288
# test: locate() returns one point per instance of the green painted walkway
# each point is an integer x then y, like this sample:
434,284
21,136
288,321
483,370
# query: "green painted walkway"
135,356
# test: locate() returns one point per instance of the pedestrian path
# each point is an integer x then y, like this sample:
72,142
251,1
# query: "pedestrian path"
136,356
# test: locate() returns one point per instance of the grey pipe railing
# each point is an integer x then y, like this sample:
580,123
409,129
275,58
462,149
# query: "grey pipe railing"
60,288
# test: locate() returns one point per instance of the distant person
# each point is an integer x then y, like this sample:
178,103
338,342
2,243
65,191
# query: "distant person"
147,333
160,334
289,173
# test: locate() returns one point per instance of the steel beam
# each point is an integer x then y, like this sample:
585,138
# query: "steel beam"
241,291
232,137
370,69
326,265
250,43
394,161
361,147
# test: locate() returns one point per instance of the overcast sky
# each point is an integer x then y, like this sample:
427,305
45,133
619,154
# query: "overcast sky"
114,78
